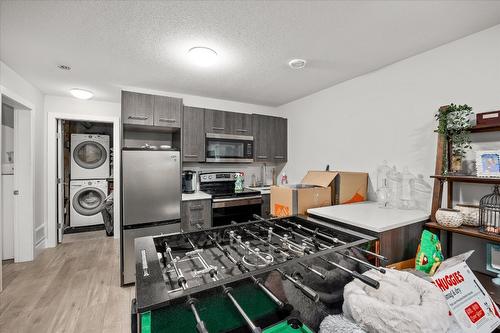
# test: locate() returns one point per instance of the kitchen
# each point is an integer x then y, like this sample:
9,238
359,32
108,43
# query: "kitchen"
250,166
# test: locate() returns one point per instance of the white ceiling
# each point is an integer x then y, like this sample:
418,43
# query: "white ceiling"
111,44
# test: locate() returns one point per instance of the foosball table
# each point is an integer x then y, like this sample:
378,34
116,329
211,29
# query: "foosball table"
212,280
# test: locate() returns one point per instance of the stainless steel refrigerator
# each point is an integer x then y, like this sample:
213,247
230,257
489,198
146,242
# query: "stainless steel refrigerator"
151,200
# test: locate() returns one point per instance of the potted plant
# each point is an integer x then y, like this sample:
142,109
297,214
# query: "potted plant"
454,124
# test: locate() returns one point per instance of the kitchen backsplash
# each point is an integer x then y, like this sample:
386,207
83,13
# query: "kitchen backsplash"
247,169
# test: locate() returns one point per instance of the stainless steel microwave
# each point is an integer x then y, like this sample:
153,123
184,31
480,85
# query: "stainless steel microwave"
228,148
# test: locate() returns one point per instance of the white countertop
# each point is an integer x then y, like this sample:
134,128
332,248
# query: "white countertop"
198,195
368,215
263,190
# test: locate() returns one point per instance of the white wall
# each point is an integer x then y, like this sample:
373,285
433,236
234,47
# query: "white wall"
14,85
388,114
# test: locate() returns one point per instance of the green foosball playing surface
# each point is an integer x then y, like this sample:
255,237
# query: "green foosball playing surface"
216,310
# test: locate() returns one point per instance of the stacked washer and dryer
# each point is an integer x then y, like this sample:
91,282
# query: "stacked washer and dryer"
90,154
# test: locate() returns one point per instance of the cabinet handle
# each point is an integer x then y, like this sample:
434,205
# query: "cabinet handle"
199,207
262,156
218,128
137,118
241,130
144,261
167,120
279,156
188,155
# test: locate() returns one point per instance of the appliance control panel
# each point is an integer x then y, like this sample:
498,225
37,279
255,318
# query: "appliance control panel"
218,176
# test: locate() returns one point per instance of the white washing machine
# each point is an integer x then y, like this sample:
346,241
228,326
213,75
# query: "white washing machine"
89,156
87,198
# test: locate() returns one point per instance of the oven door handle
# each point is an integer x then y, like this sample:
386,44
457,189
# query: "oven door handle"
222,203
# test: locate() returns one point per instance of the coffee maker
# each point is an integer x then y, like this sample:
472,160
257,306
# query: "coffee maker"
189,179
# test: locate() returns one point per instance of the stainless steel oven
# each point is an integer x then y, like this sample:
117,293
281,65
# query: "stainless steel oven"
229,205
238,209
228,148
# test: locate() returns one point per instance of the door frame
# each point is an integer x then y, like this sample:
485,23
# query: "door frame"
52,168
24,229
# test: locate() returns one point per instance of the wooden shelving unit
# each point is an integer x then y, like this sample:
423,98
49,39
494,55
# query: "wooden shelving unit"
467,179
437,197
464,230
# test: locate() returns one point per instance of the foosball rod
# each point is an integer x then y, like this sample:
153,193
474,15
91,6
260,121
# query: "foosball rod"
315,232
309,292
244,269
307,267
200,325
226,290
365,279
313,242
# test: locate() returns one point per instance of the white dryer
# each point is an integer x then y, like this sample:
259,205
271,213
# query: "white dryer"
87,199
89,156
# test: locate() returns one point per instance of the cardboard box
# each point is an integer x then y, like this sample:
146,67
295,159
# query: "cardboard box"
318,189
470,304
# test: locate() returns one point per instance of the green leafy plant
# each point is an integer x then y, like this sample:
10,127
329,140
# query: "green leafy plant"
454,124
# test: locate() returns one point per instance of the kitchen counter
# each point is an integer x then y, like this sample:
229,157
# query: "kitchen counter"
263,190
368,215
199,195
398,231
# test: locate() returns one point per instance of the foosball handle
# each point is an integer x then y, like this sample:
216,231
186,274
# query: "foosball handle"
310,293
200,327
367,280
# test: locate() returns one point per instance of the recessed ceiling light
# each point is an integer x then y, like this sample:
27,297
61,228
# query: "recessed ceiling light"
202,56
81,93
64,67
297,63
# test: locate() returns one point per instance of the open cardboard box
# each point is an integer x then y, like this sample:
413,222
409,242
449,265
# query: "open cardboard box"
318,189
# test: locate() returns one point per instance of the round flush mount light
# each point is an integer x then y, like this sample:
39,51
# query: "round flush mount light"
81,93
202,56
297,63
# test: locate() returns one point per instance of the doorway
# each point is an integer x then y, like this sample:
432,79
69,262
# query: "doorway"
89,156
16,182
85,177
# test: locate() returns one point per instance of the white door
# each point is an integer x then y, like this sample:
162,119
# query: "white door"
60,180
23,186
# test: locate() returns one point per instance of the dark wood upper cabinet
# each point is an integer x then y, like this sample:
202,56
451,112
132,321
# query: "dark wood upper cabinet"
280,148
263,137
137,109
167,111
239,123
215,121
193,134
270,138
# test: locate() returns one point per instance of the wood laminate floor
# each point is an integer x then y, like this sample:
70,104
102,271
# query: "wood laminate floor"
74,287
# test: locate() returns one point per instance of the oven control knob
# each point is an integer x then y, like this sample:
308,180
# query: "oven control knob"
209,177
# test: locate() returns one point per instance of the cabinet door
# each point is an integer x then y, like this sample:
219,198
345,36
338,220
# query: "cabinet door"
280,140
240,123
137,109
193,135
266,206
215,121
167,111
263,137
194,213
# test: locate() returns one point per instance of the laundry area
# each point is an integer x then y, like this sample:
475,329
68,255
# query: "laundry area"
86,170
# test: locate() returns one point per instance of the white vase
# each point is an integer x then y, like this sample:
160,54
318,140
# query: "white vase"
470,213
451,218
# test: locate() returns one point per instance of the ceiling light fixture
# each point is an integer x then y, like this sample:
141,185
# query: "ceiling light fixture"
64,67
81,93
297,63
202,56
